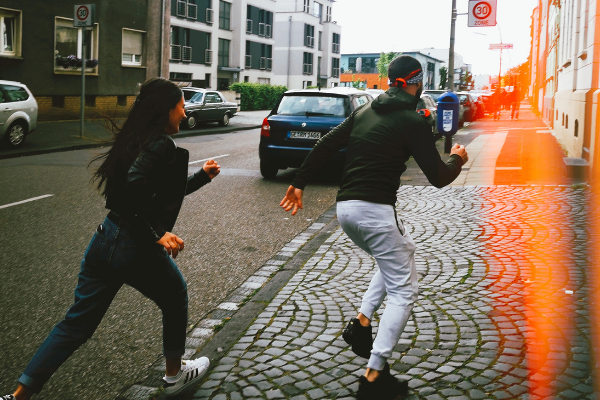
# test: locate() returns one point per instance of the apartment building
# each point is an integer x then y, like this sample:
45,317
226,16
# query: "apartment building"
214,43
307,44
565,74
40,47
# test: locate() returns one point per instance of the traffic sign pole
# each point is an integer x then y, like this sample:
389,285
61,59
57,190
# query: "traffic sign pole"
82,116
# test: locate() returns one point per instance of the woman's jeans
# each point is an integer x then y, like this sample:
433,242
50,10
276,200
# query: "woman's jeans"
375,229
114,257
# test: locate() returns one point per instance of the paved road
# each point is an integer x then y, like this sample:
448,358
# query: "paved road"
231,227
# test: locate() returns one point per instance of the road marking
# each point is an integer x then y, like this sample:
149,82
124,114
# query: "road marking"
26,201
210,158
507,168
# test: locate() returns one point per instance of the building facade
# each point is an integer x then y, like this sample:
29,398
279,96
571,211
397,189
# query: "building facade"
363,67
565,74
214,43
307,44
40,47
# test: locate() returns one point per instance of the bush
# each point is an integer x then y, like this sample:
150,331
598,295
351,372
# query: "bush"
257,96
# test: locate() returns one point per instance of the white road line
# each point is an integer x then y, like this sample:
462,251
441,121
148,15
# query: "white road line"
26,201
210,158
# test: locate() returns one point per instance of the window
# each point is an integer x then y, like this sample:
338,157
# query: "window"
13,93
224,15
328,16
180,76
309,35
122,100
10,32
90,101
336,43
222,83
317,10
335,67
223,53
264,81
320,40
67,46
58,101
133,42
213,98
307,66
306,6
259,21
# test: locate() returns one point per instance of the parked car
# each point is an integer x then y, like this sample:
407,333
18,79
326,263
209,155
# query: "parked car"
298,120
205,105
428,109
18,113
435,94
470,107
374,92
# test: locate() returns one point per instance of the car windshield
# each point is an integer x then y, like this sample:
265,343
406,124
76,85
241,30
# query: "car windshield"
313,106
189,95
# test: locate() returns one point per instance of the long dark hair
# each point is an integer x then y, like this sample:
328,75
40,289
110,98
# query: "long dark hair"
147,119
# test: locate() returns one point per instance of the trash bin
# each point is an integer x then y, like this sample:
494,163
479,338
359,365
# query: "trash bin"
447,114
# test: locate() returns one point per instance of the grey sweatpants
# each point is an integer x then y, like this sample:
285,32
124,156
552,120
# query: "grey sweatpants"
375,229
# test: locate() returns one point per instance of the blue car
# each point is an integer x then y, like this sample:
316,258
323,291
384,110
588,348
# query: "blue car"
298,120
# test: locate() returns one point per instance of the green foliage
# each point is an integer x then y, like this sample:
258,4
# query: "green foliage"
384,62
443,77
356,83
257,96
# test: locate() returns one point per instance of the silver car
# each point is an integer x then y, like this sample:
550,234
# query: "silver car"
205,105
18,113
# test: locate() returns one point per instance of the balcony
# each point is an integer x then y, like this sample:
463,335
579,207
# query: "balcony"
181,9
335,72
248,62
208,56
186,54
261,29
192,11
249,26
269,31
210,16
336,48
309,41
266,63
307,69
175,52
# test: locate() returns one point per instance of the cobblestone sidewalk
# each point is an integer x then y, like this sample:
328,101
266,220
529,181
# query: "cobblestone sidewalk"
502,310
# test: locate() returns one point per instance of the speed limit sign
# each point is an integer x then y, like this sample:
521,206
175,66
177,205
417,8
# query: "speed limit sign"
482,13
84,15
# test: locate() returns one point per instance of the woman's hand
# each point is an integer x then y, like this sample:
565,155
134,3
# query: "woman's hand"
211,168
171,243
292,200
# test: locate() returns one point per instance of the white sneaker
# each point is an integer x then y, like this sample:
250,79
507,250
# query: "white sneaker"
7,397
191,372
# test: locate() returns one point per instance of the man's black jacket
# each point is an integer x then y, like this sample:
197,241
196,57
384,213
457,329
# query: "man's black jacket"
380,136
150,194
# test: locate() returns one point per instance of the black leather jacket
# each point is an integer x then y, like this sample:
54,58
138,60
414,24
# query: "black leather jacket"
149,197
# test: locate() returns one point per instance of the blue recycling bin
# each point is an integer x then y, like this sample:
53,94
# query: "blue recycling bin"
447,113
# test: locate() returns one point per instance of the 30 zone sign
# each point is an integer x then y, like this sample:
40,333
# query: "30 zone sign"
482,13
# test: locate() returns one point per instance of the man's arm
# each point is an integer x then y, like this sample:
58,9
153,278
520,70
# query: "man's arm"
422,147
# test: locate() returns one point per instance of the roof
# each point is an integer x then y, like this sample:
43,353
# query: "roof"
335,90
401,53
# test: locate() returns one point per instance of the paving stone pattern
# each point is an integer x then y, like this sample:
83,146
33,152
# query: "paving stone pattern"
502,311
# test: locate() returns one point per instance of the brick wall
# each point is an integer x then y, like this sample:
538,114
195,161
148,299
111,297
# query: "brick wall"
69,107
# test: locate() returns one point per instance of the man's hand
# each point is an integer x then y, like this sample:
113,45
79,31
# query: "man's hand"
292,200
459,150
211,168
171,243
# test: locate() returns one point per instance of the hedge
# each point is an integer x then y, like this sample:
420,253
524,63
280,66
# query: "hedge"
257,96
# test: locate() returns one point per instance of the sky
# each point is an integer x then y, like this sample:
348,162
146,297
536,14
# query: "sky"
374,26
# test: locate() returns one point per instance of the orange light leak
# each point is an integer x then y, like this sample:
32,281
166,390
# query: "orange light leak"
593,220
538,228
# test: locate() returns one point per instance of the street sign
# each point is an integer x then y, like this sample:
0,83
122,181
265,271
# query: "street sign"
501,46
482,13
84,15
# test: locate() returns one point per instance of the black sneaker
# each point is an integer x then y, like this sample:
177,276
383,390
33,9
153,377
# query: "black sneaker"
360,337
385,387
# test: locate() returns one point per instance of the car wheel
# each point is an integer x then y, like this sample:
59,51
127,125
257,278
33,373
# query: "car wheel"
192,121
225,120
267,170
15,135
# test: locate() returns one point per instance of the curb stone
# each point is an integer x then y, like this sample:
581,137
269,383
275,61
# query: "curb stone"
216,333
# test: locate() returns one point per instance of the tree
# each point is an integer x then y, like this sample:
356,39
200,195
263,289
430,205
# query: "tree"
468,81
443,77
384,62
356,83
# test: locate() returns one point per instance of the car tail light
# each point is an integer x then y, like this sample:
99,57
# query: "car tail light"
265,129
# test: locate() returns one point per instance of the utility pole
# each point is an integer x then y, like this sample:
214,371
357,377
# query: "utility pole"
83,48
451,52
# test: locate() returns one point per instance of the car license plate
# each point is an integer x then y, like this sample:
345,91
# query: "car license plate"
305,135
